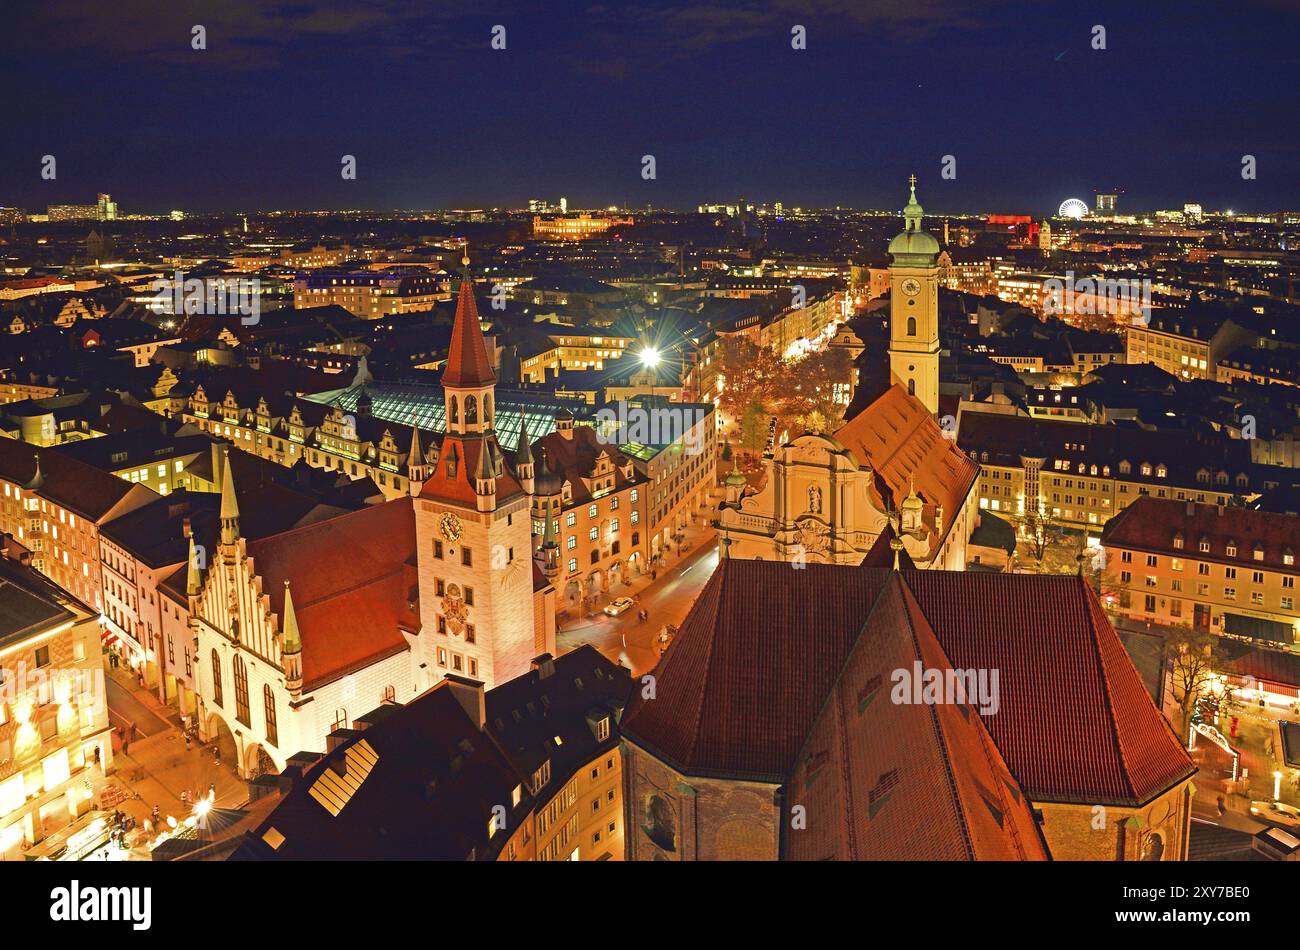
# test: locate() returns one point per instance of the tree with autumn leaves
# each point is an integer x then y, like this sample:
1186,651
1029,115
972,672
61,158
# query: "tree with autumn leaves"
804,395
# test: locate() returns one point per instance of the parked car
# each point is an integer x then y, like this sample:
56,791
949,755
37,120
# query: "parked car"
1278,813
616,607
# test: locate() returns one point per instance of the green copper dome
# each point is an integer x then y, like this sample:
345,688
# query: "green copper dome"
913,244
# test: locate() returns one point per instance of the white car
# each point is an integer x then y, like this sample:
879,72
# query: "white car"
1279,813
616,607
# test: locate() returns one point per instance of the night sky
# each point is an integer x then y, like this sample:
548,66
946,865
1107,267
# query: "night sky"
436,118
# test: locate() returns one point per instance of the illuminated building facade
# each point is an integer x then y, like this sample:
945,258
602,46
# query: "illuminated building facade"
55,743
1214,568
576,227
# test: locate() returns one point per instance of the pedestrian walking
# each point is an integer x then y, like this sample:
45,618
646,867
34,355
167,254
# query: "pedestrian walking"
187,742
216,752
212,792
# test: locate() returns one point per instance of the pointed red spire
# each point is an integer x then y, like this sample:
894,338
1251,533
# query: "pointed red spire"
467,361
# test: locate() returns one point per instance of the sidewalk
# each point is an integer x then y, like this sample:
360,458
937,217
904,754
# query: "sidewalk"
158,767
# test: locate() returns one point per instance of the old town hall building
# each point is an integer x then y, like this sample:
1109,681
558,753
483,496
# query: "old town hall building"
828,498
296,633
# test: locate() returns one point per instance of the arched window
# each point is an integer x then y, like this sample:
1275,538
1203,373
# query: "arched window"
471,411
340,719
911,326
487,408
216,678
661,823
241,692
268,701
455,410
1153,848
911,387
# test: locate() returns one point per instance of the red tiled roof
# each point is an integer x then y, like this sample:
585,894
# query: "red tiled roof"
882,555
751,665
910,781
1150,524
1075,722
467,359
739,689
574,459
75,485
900,440
353,581
459,489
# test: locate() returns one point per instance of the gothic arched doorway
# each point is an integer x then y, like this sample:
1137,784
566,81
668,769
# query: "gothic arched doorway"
220,735
257,761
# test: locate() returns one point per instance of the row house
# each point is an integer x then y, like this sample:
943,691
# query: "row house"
1214,568
55,743
1083,474
286,430
596,502
55,507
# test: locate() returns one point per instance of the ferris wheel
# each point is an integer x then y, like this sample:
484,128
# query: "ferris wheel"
1072,208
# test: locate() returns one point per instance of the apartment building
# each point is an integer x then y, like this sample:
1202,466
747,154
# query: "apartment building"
1083,474
371,295
1215,568
55,506
55,743
1185,344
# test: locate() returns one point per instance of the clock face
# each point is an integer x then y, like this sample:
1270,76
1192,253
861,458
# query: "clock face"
449,525
911,287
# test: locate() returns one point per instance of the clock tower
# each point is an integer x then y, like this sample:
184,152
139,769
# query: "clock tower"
914,308
473,529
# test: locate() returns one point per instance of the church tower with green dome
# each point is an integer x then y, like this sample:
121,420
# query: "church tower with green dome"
914,308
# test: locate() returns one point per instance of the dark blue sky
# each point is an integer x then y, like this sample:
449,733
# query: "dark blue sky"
437,118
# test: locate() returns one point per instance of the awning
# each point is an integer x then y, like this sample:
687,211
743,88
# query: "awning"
1257,628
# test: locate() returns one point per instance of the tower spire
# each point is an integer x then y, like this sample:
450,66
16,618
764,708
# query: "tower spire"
912,212
193,578
468,366
229,505
292,639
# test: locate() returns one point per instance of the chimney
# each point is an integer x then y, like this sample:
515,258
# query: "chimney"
469,693
544,665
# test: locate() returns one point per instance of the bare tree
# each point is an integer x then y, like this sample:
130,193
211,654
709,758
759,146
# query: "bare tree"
1194,656
1041,531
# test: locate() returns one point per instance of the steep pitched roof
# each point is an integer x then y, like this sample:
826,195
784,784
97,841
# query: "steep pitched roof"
426,780
467,359
900,440
70,483
1075,723
754,661
458,460
914,781
751,666
354,586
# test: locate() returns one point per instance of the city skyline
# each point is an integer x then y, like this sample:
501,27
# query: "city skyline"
436,117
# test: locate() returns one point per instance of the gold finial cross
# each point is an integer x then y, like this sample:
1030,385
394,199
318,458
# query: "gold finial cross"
912,181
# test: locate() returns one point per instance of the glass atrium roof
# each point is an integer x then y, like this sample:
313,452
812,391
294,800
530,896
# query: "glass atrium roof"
403,403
